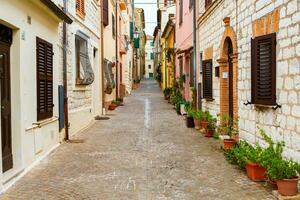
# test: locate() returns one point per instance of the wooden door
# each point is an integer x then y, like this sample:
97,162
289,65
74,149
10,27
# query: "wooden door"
7,159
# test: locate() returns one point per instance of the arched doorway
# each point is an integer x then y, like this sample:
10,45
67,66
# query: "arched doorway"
228,46
228,71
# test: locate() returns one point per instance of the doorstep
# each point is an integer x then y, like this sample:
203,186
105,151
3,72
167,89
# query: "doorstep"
280,197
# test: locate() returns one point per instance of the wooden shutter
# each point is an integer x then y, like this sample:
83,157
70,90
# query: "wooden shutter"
192,70
180,11
44,56
263,70
80,8
207,3
207,79
113,26
105,13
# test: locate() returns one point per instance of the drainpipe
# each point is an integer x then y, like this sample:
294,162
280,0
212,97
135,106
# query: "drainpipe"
66,111
195,51
102,56
117,62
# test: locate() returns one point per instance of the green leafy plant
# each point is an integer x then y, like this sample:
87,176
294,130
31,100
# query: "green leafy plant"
167,92
280,169
212,122
137,81
199,115
228,126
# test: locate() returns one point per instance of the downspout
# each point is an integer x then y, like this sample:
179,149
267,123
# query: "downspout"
195,51
66,111
102,56
117,69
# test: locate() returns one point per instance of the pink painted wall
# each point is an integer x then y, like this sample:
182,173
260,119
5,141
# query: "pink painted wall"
184,40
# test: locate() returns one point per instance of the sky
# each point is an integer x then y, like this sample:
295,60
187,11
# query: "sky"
150,14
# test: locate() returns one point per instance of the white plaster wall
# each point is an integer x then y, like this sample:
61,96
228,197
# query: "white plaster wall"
30,143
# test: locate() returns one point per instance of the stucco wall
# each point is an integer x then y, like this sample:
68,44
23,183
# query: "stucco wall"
30,142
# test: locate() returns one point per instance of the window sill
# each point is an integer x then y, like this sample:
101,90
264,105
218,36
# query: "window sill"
209,99
80,15
208,11
42,123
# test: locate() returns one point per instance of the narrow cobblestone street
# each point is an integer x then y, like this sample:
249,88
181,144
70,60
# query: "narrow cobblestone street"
143,152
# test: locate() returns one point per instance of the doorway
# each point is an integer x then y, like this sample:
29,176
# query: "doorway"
5,42
228,44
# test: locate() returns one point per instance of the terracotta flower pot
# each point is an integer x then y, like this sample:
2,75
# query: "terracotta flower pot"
112,106
190,122
288,187
228,143
273,184
197,123
209,132
204,124
255,172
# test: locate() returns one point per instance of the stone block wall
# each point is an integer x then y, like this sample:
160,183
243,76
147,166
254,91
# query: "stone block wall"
250,19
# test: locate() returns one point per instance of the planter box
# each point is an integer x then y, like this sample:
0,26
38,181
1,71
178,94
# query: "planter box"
182,109
228,143
255,172
190,122
209,132
197,123
288,187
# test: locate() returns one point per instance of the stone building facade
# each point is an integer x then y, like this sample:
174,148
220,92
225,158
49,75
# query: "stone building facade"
230,32
83,64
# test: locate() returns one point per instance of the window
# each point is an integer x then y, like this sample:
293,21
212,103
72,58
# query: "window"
149,66
113,26
180,11
152,44
44,63
191,70
207,79
80,11
84,72
207,3
263,70
105,13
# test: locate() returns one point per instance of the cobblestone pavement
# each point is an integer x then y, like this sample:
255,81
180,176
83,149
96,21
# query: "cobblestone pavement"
143,152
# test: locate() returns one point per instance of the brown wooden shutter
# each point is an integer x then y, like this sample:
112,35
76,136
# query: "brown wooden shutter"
44,51
180,11
105,13
207,3
263,70
191,70
80,8
207,79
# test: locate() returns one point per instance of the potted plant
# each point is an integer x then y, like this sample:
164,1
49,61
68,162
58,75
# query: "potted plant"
286,174
204,121
228,127
113,105
198,116
255,171
136,83
211,126
190,116
167,93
